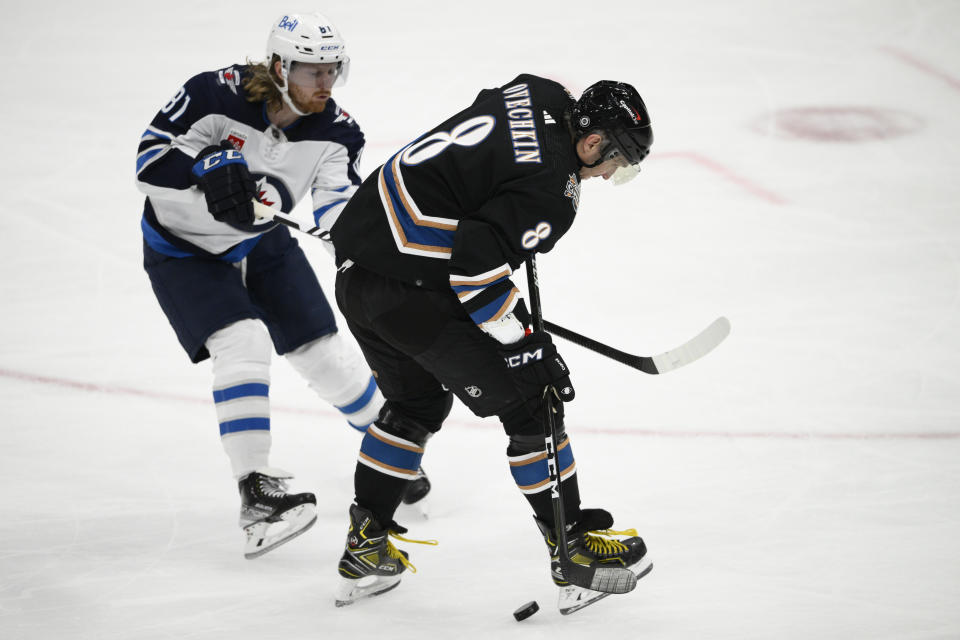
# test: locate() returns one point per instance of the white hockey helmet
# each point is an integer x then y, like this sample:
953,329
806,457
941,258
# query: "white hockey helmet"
306,37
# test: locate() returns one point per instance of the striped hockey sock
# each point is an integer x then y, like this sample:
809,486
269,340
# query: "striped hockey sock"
243,411
532,476
384,467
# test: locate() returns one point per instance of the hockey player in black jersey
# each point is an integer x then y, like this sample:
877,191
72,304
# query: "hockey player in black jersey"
425,249
234,289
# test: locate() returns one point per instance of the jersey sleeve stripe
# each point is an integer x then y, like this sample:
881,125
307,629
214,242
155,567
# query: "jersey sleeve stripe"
154,133
336,189
496,309
482,279
464,288
466,296
320,212
146,157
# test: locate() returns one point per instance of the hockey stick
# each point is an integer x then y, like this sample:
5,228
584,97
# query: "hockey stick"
264,212
694,349
605,579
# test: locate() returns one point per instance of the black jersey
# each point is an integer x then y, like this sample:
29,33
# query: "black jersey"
464,204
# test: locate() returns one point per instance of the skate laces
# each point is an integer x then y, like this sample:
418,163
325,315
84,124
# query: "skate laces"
606,545
396,554
273,487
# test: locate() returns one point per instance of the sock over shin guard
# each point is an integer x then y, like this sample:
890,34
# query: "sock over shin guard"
384,467
339,375
528,464
240,354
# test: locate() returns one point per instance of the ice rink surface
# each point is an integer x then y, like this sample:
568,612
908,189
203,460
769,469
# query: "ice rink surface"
801,481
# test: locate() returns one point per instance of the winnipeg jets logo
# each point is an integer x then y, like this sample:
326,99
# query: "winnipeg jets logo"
473,391
572,191
272,192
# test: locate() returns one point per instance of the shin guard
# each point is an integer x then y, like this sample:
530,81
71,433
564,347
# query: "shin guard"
338,374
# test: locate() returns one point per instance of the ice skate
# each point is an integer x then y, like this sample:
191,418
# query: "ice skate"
370,564
591,543
269,515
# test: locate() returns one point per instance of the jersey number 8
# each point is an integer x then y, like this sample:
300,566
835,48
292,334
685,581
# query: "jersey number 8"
466,134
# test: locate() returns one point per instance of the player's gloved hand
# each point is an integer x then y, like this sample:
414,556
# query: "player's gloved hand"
536,364
221,173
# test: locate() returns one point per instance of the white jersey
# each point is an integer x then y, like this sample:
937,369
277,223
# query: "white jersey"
319,153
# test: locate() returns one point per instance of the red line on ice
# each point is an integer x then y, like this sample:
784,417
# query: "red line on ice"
923,66
473,424
726,173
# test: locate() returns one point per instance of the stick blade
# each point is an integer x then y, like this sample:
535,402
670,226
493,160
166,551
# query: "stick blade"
603,579
697,347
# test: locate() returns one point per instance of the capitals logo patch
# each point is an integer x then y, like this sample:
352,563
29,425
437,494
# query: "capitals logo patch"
572,191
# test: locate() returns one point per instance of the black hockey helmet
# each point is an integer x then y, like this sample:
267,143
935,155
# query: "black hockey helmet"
616,110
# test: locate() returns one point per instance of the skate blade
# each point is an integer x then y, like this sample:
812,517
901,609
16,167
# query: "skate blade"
419,509
350,591
573,598
266,536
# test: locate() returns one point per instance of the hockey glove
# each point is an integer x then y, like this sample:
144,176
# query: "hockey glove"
536,365
221,173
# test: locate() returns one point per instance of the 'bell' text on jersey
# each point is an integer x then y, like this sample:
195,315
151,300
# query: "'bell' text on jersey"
465,203
318,153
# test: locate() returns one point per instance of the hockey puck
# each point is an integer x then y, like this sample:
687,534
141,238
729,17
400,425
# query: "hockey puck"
526,610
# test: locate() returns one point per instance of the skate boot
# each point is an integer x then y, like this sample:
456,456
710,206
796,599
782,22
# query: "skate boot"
417,489
590,542
269,515
370,564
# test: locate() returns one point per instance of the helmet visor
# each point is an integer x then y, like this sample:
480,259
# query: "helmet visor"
624,175
315,74
625,171
628,149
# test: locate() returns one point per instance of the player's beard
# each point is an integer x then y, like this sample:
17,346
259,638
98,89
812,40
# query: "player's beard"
309,100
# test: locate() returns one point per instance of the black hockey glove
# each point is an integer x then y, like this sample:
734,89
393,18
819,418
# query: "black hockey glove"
222,175
535,364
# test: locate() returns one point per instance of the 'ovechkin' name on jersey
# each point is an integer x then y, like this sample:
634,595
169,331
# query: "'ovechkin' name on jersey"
319,153
464,204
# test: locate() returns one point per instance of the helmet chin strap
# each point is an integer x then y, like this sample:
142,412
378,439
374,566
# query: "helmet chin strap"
289,102
592,164
284,93
603,157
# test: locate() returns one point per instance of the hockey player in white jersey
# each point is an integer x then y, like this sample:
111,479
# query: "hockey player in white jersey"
234,287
